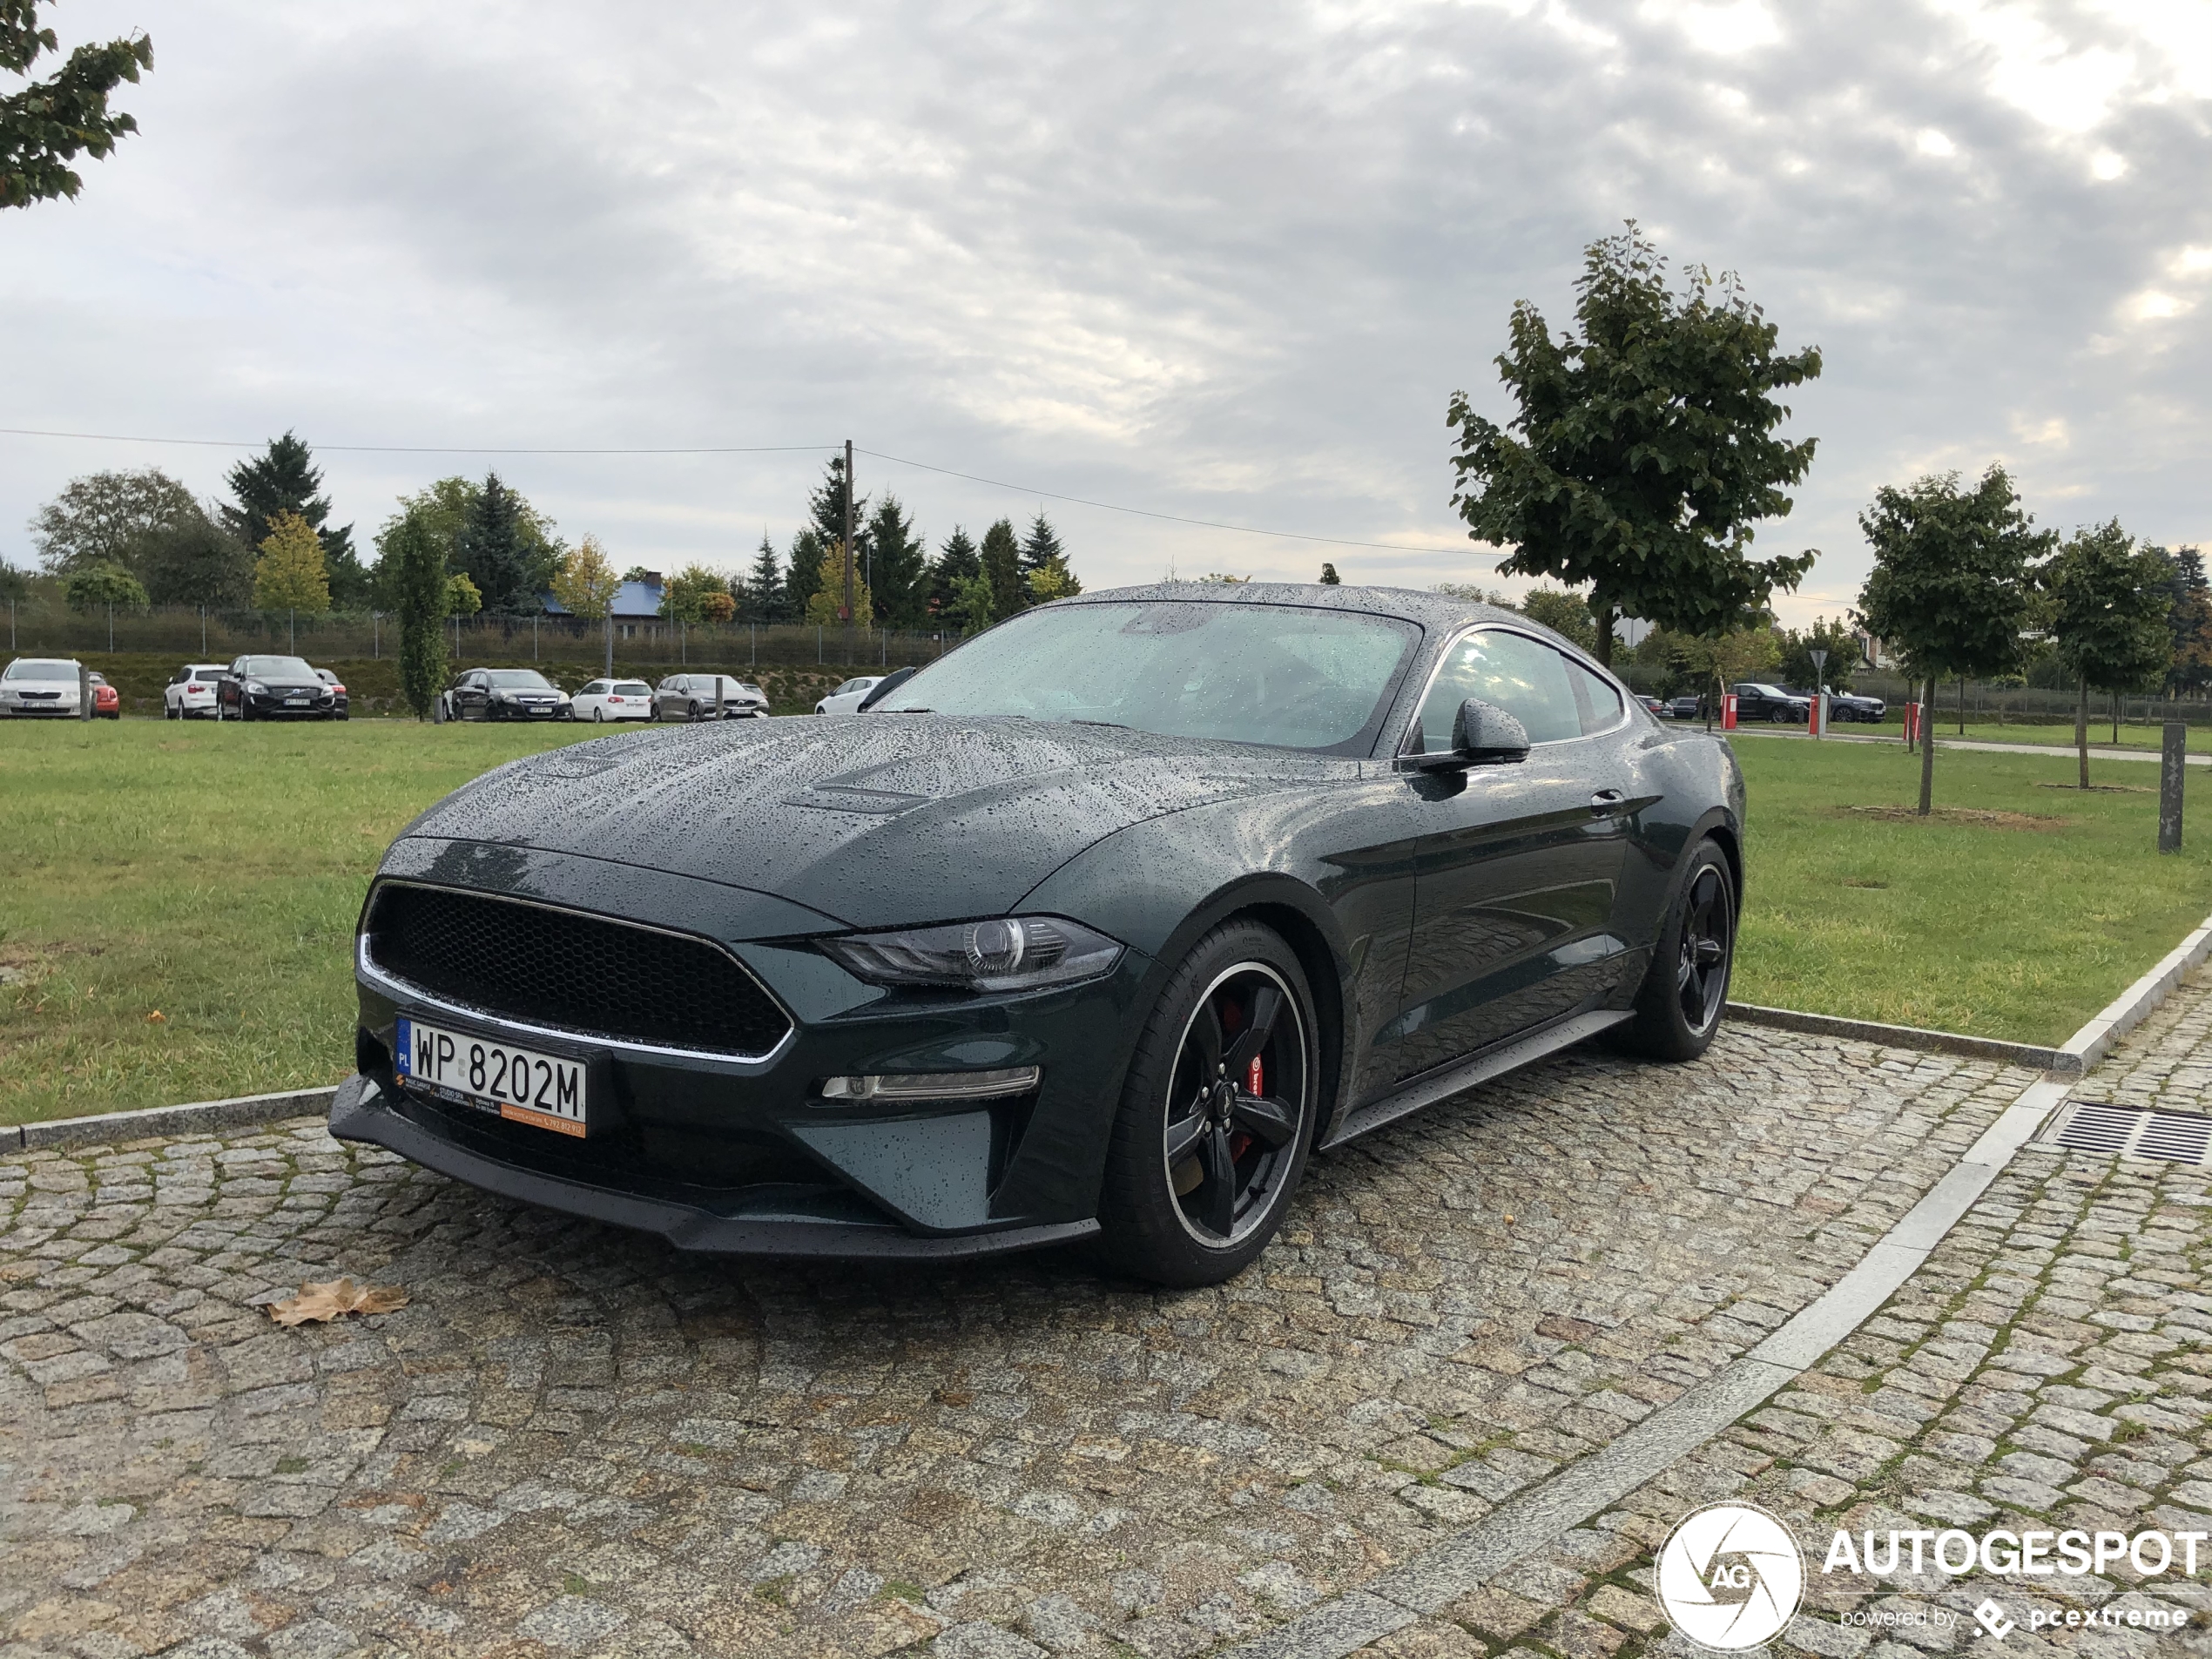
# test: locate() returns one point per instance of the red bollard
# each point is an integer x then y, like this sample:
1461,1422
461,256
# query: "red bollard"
1727,712
1911,723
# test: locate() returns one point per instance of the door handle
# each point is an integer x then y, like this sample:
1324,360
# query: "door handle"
1607,801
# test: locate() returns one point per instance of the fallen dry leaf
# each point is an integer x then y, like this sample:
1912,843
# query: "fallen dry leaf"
327,1301
157,1018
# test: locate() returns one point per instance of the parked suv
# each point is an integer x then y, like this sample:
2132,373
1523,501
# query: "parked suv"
1847,706
190,694
1755,701
272,688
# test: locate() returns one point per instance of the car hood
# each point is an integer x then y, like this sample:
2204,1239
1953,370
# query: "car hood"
879,820
37,686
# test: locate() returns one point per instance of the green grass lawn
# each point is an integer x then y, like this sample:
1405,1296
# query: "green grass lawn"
2136,736
2020,923
212,874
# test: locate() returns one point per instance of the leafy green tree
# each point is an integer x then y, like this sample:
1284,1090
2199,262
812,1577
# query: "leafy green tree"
290,575
717,607
900,581
1837,639
956,561
825,606
974,606
195,562
2190,620
684,597
49,123
1052,580
413,563
461,597
1002,560
284,479
2109,617
1329,577
446,510
585,584
1719,659
15,586
1642,456
764,587
1566,614
1950,592
109,518
98,586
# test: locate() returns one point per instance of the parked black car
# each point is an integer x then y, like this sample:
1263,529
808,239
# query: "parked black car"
1758,701
272,688
1847,706
1098,926
341,705
505,694
1690,706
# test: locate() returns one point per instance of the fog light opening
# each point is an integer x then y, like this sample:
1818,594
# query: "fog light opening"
933,1085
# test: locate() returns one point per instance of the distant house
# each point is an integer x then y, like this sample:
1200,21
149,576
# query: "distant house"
636,603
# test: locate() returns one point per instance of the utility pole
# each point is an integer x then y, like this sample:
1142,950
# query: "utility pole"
848,550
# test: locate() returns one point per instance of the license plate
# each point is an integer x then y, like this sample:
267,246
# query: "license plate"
520,1084
295,702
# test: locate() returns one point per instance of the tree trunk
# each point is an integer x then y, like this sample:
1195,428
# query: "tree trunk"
2082,730
1927,751
2116,708
1962,705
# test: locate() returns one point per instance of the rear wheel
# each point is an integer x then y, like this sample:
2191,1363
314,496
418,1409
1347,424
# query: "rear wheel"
1685,990
170,712
1216,1114
598,716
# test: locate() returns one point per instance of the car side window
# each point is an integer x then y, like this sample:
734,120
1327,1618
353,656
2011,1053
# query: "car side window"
1600,704
1528,680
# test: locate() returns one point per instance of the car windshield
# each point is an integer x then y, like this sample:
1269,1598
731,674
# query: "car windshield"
517,680
278,668
31,669
1285,675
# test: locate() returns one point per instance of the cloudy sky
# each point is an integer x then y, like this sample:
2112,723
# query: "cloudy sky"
1225,261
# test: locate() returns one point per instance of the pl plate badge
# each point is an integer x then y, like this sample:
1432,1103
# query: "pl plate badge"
1730,1576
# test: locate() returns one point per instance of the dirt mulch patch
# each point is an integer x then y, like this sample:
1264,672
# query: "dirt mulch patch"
1969,815
2104,789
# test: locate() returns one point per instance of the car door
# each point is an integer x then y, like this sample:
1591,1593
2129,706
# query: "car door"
1518,866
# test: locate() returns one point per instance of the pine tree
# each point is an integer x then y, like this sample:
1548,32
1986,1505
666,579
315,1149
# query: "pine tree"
1040,547
1002,557
900,578
826,506
284,479
763,588
492,550
290,575
956,561
804,574
1329,577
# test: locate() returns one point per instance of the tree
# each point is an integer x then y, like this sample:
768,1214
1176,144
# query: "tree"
290,575
414,572
763,588
109,518
1041,546
683,598
973,604
446,510
826,508
1721,658
1642,456
720,609
1002,560
2109,617
1951,590
282,479
901,579
1566,614
97,586
49,123
1837,639
461,597
957,560
1474,593
824,606
1329,577
585,584
1052,580
493,550
195,563
15,586
2189,621
804,576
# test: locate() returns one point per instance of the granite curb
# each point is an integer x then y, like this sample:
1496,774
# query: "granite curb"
167,1120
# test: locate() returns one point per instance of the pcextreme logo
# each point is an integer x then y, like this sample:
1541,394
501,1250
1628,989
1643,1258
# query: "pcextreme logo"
1730,1576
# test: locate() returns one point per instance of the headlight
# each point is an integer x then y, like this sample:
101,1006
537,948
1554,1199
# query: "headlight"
256,688
1009,954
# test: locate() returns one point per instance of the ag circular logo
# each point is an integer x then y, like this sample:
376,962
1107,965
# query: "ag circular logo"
1730,1576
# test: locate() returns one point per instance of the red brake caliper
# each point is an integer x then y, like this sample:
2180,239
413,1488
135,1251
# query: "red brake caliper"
1256,1086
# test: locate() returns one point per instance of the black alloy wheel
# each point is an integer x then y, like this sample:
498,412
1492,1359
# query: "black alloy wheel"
1780,717
1678,1008
1218,1113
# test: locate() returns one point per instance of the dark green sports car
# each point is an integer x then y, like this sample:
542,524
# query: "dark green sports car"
1098,928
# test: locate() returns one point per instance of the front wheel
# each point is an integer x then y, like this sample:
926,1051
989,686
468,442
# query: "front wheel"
1685,990
1216,1114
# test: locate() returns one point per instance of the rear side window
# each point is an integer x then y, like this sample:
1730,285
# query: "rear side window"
1528,680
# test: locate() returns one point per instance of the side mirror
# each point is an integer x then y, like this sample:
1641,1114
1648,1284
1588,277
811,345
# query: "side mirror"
885,686
1482,735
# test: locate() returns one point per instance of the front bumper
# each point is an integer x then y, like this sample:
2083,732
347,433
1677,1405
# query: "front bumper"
278,706
736,1154
63,711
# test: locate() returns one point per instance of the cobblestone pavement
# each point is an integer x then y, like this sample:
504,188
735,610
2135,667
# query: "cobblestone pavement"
575,1439
2050,1367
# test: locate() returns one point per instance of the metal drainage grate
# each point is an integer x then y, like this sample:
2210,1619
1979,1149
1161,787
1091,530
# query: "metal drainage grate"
2088,1126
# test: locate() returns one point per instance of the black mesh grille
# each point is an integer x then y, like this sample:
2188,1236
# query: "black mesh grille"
560,969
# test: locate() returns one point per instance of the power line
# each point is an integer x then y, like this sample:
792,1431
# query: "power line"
738,449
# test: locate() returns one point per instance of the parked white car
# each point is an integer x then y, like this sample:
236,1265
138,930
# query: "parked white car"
604,700
848,698
40,685
190,694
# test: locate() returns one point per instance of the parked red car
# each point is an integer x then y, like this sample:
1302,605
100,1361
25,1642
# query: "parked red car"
106,705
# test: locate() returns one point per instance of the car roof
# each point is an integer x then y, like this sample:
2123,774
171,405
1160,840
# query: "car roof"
1408,604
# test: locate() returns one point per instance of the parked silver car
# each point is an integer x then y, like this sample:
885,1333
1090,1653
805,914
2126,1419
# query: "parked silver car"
694,696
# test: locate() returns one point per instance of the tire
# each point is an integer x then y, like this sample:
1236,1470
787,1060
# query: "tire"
1780,717
1184,1158
694,714
169,712
598,716
1701,919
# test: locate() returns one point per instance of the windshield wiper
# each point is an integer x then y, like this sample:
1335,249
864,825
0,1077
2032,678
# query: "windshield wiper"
1115,724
